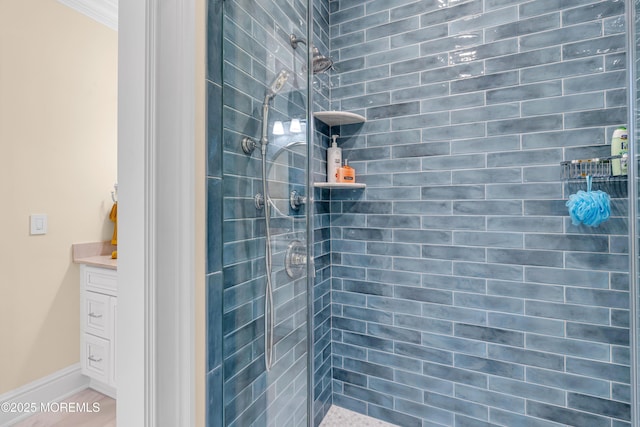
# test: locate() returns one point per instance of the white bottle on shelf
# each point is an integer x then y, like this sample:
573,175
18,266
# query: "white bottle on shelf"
619,147
334,160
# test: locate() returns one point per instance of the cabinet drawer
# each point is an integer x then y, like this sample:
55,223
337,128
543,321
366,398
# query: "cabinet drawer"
101,279
95,358
96,315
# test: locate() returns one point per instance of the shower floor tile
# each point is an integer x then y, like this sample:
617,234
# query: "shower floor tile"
340,417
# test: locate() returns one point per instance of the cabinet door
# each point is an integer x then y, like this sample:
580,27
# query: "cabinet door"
95,358
96,314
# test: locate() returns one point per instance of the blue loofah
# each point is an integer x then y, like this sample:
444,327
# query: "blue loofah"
590,208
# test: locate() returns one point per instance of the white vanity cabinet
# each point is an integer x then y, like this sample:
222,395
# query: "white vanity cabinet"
98,312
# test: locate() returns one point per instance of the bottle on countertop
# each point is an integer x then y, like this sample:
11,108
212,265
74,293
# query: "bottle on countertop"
334,160
346,173
619,147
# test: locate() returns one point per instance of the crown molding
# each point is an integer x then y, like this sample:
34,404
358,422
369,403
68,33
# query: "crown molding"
103,11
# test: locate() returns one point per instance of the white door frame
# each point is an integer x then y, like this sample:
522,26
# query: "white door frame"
156,348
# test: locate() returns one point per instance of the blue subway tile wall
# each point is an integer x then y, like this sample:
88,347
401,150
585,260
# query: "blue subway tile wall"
214,415
461,294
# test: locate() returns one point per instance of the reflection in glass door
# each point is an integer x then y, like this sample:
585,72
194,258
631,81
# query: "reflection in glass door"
265,151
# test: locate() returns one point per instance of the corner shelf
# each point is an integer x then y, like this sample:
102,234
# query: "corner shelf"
337,118
338,185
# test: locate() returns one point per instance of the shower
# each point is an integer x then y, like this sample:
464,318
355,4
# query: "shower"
453,287
319,62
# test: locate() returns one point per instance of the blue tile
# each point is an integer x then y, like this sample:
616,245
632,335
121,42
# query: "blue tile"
527,357
597,333
214,225
369,396
525,257
509,78
214,41
370,369
493,303
563,69
394,333
489,18
458,406
214,321
527,390
461,314
589,83
455,344
427,413
494,335
525,60
214,414
456,375
561,36
489,366
424,353
604,370
493,271
615,43
599,406
524,290
595,351
565,416
523,27
456,11
531,124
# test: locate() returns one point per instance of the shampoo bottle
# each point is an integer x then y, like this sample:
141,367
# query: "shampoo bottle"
334,160
619,147
347,173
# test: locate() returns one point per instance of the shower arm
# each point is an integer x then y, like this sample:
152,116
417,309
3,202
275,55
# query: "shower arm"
294,40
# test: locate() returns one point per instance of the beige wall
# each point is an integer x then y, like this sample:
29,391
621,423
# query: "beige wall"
58,86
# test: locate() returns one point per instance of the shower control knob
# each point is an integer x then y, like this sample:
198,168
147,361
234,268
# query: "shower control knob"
248,145
258,200
296,200
295,259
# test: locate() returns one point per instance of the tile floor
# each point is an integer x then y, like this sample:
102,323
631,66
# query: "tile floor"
340,417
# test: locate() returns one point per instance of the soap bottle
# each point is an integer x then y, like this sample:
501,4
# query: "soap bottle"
334,160
347,173
619,147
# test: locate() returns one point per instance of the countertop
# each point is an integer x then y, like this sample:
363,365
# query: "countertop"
96,254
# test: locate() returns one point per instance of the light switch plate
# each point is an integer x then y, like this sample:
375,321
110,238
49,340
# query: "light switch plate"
39,224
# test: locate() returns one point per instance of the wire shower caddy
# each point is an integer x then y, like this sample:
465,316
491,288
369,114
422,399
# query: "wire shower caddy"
574,173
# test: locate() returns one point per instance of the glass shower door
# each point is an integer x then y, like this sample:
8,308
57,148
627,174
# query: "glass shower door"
265,152
633,39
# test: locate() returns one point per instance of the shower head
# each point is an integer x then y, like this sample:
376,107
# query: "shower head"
276,85
319,62
272,91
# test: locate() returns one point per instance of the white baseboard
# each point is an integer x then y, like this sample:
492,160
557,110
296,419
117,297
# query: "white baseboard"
52,388
102,388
